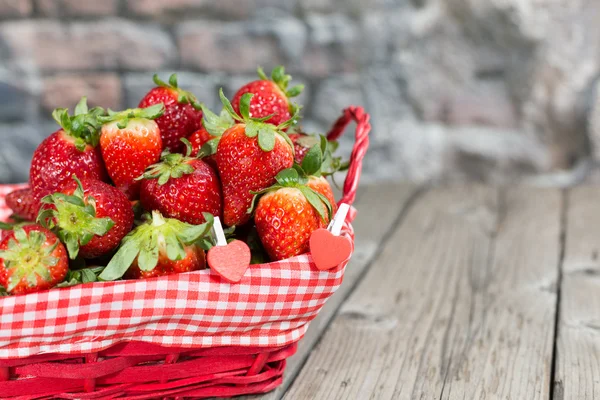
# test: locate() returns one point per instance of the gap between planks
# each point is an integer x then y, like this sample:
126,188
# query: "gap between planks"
577,358
380,209
459,304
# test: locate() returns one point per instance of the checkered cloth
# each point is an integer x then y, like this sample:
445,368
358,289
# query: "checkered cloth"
271,306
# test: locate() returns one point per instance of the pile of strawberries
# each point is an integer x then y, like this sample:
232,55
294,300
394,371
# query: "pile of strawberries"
133,194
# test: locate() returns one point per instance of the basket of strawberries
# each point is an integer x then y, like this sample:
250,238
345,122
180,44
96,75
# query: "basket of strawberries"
117,279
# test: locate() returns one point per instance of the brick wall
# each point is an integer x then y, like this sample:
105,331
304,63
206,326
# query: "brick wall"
456,90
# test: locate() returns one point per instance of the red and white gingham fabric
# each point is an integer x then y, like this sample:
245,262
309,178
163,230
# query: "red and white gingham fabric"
271,306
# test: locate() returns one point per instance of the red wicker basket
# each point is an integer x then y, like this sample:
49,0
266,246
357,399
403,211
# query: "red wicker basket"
189,335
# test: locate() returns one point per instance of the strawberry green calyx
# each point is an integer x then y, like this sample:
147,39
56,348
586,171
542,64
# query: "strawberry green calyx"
215,124
80,276
290,178
319,160
171,165
183,96
157,235
84,125
123,117
257,127
28,256
73,218
282,81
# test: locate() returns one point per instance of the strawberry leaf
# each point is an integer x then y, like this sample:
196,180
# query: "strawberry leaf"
158,81
209,148
245,105
174,247
151,112
287,177
194,233
123,117
253,128
266,139
148,256
81,107
261,74
295,91
313,198
215,124
311,164
173,81
80,276
121,261
227,105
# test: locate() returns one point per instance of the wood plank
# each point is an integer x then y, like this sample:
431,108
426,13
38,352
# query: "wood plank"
577,374
460,304
379,207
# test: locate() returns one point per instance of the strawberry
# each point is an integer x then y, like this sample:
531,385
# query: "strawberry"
22,203
89,216
300,149
198,139
71,149
182,115
130,142
181,187
271,96
288,213
160,246
320,185
31,259
249,156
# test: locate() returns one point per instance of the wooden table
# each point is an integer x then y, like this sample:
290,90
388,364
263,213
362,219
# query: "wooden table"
465,292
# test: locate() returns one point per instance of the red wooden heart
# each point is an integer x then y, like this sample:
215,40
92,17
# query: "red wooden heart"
329,251
231,261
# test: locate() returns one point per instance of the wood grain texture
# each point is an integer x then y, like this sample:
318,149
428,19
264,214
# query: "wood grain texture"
578,344
379,207
459,304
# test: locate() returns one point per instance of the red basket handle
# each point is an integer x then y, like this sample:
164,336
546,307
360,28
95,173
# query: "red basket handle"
363,127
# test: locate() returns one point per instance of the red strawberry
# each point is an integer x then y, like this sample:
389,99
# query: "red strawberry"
193,260
180,118
22,203
89,216
300,149
271,96
249,156
320,185
31,259
161,246
288,214
181,187
130,142
199,139
72,149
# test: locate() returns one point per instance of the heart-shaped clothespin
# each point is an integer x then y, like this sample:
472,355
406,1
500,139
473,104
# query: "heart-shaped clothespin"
327,247
229,260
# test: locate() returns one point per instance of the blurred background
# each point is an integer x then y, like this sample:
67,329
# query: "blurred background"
496,91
